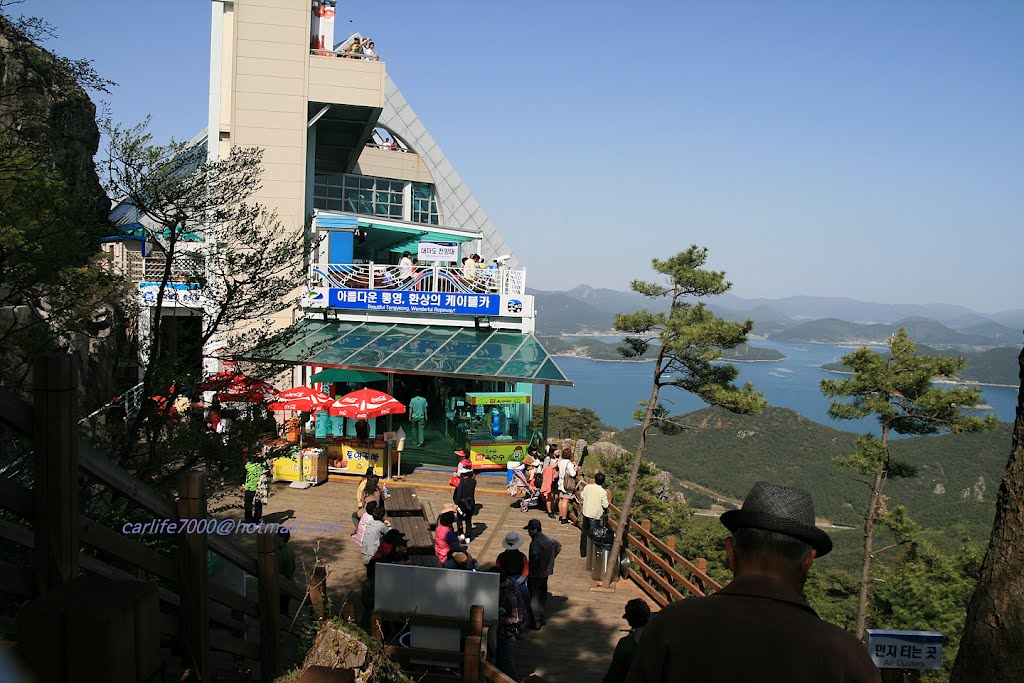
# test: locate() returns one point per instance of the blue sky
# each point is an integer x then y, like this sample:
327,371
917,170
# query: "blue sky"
873,149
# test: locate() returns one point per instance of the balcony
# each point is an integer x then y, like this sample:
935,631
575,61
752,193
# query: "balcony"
430,279
138,268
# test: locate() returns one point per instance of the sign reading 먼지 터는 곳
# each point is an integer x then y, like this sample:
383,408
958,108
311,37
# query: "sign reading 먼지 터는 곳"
905,649
446,252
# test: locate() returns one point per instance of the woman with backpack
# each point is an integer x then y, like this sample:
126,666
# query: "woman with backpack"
567,480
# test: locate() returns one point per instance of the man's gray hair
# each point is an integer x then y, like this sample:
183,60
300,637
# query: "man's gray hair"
747,542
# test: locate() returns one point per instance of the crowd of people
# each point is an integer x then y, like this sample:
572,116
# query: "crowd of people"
761,613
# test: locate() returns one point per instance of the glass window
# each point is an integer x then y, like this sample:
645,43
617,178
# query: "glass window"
424,204
361,194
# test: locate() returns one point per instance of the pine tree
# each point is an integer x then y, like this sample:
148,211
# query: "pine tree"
689,340
898,389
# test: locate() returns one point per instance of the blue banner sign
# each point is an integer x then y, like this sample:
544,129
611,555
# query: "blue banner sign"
415,302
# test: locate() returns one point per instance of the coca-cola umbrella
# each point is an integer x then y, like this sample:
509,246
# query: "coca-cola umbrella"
302,399
364,404
235,386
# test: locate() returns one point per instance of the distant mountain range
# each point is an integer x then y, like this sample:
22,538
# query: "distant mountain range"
798,318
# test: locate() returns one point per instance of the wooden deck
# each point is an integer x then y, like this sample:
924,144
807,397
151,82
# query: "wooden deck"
583,625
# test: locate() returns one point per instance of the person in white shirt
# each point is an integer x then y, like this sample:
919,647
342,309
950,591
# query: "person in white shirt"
594,502
566,484
405,266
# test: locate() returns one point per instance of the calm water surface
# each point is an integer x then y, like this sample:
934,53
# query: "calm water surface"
613,389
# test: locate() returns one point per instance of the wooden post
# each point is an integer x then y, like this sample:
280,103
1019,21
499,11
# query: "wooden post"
702,565
55,399
270,603
317,590
471,650
193,620
671,542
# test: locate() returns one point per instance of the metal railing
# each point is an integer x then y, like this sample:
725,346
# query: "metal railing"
132,402
444,279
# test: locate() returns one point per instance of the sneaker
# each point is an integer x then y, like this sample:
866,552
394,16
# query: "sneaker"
565,521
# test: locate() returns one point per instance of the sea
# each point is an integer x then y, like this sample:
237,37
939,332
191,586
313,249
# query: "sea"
613,389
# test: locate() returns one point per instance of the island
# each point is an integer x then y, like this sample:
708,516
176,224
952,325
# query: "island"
595,349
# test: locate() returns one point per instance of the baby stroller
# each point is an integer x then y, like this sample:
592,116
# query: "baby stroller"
530,493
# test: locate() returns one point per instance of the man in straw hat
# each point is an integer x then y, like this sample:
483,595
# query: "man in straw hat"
758,627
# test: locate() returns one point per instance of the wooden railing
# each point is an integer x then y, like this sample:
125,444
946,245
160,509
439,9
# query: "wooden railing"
656,567
67,544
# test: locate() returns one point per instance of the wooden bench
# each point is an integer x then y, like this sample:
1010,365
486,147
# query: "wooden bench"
421,542
428,514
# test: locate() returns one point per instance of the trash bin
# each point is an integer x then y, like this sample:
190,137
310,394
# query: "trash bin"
602,557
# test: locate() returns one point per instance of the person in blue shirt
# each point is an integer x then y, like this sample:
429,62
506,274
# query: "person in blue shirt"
418,418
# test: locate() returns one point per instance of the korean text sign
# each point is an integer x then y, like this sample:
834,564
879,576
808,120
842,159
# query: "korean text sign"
905,649
447,252
402,301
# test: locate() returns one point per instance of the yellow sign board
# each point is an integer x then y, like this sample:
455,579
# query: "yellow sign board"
496,455
355,460
498,399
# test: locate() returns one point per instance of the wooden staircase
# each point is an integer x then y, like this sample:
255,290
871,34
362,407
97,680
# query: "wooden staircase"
204,630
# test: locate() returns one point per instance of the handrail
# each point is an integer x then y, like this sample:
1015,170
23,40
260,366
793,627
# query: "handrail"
671,552
657,575
434,279
177,575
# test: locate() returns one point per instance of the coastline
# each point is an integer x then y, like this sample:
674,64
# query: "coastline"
962,382
651,360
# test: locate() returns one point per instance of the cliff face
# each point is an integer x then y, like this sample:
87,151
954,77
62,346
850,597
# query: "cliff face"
45,111
41,103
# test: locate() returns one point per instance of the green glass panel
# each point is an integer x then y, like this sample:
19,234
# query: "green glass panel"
344,348
527,361
374,354
306,342
492,354
550,371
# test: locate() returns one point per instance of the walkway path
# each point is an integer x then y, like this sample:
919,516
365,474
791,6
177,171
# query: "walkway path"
583,625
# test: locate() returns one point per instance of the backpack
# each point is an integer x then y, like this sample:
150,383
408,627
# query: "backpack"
569,482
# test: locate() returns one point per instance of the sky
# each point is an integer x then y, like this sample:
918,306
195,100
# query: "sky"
872,150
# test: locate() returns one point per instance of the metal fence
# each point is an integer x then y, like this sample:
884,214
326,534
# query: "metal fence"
444,279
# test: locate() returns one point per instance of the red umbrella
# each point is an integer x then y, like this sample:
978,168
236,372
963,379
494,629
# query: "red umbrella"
366,403
303,399
232,385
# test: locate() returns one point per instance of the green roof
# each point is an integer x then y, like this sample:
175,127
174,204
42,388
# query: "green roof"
489,354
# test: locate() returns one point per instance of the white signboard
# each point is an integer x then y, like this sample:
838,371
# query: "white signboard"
175,294
446,252
905,649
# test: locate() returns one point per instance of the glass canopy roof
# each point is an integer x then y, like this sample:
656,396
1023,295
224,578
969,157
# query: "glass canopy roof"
504,355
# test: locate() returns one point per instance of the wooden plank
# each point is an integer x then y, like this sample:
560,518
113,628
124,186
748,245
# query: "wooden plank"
17,534
99,466
17,580
673,573
16,498
122,547
657,578
16,413
651,591
491,673
225,642
672,554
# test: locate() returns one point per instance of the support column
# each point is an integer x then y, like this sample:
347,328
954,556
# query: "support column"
547,401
